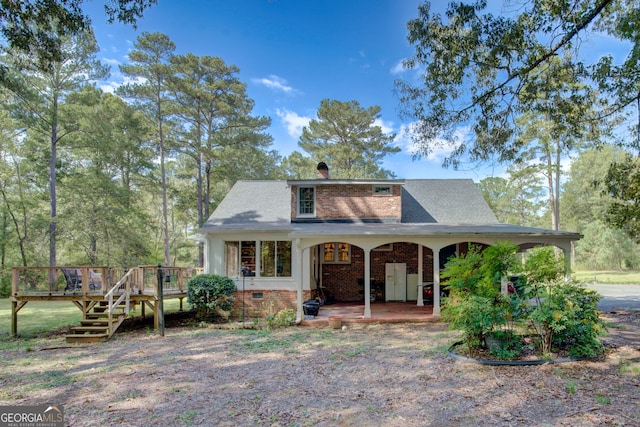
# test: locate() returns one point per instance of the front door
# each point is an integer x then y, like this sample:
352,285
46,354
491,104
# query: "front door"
395,282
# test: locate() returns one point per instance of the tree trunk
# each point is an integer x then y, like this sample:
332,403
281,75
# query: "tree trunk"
200,209
52,182
557,175
165,216
552,200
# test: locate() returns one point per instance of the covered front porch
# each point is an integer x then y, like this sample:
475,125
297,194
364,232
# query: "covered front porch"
374,248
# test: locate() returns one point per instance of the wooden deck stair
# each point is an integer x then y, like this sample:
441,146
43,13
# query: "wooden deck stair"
97,326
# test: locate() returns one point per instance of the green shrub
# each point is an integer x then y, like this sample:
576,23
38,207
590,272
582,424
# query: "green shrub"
475,304
208,292
566,317
565,314
281,318
562,315
508,345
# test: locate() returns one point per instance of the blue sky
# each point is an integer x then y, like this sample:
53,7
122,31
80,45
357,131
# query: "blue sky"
292,54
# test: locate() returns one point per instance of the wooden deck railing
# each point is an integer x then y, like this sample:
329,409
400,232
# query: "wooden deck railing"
51,280
95,281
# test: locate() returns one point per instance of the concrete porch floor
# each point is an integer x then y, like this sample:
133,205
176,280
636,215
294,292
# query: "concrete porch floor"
381,312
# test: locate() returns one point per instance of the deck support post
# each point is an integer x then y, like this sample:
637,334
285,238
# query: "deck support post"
159,311
15,308
14,319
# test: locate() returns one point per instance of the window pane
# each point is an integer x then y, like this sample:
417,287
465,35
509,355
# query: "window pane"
283,254
329,252
343,252
306,200
267,259
248,256
231,268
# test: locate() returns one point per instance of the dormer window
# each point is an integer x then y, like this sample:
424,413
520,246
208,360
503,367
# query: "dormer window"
381,190
306,201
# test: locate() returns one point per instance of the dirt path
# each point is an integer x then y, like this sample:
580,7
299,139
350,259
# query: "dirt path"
387,375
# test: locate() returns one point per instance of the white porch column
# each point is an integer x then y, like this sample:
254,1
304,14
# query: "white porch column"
436,282
298,276
420,273
367,283
567,260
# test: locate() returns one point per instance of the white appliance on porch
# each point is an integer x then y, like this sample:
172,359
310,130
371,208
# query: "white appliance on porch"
395,283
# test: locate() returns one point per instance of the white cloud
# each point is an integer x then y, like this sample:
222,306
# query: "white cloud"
440,148
275,83
112,85
386,127
398,68
293,122
110,61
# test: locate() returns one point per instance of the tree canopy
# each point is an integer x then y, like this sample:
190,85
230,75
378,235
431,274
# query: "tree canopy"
35,27
347,137
479,68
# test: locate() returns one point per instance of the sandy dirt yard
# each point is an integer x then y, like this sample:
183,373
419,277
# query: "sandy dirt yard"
366,375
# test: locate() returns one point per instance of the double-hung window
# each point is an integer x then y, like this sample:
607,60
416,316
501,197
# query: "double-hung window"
306,201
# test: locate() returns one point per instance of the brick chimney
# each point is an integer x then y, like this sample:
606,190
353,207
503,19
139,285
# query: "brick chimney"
323,171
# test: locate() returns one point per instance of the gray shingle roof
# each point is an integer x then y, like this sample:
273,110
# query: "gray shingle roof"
444,201
267,204
253,203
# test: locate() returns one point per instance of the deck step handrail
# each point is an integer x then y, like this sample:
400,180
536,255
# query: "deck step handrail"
126,296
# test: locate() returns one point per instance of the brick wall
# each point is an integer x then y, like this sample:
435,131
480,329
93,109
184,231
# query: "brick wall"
345,282
350,201
271,302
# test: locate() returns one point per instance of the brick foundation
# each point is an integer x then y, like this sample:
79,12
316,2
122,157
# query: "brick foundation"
270,303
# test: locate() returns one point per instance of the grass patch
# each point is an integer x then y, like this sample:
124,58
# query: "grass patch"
629,367
38,317
626,277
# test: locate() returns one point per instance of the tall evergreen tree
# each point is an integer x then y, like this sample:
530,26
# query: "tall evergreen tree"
347,137
41,94
151,71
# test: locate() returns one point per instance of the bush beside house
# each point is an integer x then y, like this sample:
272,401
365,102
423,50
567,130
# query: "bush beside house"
211,295
551,314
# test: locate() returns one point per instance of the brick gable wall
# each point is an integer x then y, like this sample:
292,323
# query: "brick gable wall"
350,201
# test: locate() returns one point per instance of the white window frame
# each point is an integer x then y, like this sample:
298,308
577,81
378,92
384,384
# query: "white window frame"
306,215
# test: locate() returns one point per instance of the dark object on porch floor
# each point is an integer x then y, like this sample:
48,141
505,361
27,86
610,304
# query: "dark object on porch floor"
311,307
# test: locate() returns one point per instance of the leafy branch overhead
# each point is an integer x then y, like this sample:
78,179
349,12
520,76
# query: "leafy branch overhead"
36,27
480,67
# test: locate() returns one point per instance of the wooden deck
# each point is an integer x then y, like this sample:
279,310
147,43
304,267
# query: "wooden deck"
105,295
